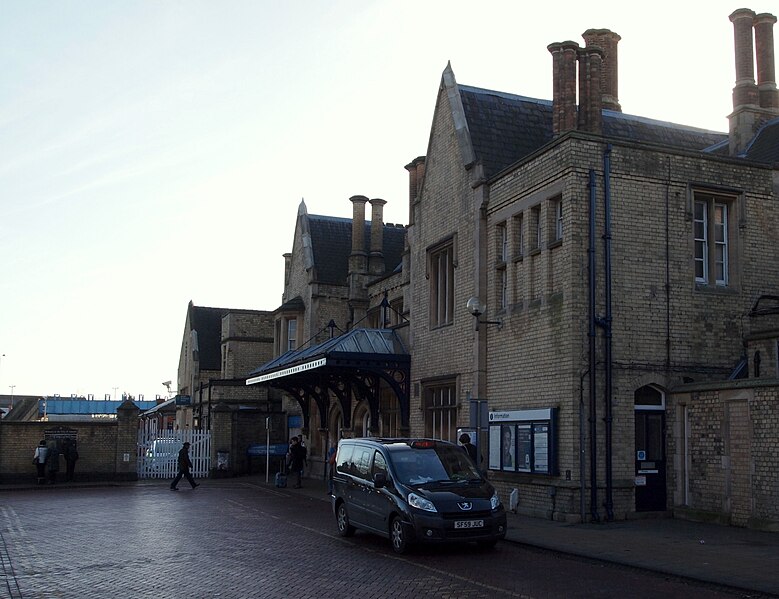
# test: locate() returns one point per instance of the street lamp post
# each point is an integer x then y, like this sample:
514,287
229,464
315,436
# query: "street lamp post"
12,395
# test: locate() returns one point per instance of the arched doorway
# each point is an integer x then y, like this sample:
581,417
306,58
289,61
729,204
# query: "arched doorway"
650,478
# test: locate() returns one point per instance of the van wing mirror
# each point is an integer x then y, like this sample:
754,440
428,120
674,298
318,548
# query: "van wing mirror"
380,480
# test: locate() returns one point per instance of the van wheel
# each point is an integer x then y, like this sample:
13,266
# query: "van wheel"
342,519
398,536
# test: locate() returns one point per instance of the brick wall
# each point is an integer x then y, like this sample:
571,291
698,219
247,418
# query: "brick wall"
724,445
102,447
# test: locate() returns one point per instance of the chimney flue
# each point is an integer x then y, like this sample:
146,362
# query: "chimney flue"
590,95
768,96
376,257
607,41
563,85
745,91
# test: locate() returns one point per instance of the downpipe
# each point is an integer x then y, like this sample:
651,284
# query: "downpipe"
592,334
609,504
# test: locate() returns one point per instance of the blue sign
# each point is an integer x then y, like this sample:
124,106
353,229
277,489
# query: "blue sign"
183,400
257,449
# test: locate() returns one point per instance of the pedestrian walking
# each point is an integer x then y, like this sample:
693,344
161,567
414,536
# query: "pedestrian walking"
53,462
39,460
184,464
297,460
71,455
331,453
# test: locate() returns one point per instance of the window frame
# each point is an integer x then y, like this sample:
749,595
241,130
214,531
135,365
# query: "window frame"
713,216
441,261
439,407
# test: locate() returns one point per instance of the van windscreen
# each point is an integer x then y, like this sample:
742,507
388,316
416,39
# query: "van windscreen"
440,463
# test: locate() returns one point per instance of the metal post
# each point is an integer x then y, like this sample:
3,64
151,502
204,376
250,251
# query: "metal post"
267,447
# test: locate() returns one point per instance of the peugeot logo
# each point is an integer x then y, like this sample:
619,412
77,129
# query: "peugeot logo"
465,505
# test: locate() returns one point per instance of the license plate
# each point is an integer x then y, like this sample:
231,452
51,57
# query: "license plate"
469,523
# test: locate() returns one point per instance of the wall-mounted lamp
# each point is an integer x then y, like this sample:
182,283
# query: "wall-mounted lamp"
476,308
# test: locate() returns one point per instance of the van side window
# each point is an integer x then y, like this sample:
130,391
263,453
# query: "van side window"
344,459
379,464
363,462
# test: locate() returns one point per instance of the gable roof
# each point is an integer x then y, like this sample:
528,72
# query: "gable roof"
504,128
331,245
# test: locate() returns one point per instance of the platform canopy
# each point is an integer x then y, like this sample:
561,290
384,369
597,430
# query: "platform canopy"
352,365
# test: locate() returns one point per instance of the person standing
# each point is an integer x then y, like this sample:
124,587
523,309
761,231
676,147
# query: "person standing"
53,462
469,447
71,455
184,464
297,459
39,459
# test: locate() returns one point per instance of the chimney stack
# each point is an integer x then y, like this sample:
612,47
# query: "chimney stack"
416,174
753,104
764,48
357,259
590,95
607,41
563,85
745,91
376,257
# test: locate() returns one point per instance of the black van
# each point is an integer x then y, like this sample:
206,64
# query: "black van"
414,490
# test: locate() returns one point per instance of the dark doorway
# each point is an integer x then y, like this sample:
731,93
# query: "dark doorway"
650,450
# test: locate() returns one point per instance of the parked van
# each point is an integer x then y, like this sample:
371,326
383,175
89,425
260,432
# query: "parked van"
414,490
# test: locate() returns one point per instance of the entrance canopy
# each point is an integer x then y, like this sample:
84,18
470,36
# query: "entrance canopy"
351,365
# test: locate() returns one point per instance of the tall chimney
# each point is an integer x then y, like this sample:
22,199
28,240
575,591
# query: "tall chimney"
357,259
376,257
590,95
766,73
745,91
607,41
416,174
563,85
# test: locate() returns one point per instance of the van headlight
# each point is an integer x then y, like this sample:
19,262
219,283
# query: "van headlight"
421,503
495,501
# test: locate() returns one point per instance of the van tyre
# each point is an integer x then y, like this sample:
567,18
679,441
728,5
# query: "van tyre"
342,519
398,536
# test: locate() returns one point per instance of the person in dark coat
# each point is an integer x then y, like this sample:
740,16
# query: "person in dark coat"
184,464
469,447
53,462
297,455
71,455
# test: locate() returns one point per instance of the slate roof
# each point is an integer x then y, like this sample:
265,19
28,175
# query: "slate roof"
331,243
208,324
765,146
504,128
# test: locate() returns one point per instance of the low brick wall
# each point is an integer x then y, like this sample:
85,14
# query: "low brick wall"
107,448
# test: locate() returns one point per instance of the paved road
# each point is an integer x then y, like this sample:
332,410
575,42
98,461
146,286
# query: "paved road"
236,539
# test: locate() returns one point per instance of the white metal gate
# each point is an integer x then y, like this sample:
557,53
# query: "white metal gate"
158,451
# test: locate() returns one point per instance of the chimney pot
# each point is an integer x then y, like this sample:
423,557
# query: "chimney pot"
563,85
607,41
768,96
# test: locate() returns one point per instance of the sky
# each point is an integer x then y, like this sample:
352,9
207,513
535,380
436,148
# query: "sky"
154,153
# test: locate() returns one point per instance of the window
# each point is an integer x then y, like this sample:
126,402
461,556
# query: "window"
535,224
441,412
441,275
711,236
557,219
292,334
503,281
503,243
519,235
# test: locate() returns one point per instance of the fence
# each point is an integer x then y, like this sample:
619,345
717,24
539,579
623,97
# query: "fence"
158,451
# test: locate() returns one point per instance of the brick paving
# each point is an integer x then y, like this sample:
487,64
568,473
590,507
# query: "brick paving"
242,538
